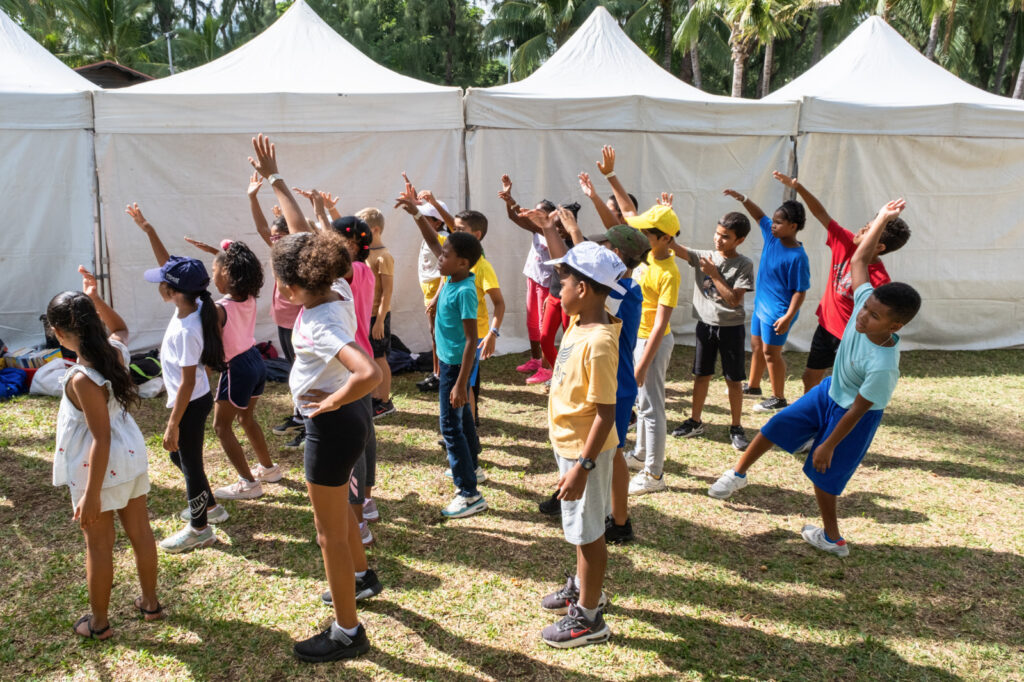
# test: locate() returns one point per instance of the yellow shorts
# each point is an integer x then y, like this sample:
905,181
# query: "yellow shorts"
430,290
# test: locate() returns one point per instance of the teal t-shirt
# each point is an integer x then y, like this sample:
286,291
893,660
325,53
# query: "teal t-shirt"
862,366
456,303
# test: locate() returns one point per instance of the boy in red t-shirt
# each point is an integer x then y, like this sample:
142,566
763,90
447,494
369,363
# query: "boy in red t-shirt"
837,301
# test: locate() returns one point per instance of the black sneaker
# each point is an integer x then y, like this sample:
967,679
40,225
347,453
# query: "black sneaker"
738,437
575,630
367,586
772,404
332,644
551,506
618,535
689,429
430,383
296,443
560,600
288,425
747,390
382,408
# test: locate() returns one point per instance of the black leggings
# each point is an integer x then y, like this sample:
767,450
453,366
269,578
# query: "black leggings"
284,335
189,458
334,441
364,473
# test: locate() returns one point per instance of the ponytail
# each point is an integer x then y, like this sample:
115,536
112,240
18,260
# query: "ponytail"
213,345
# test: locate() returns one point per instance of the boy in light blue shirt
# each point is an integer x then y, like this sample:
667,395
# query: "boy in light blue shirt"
842,413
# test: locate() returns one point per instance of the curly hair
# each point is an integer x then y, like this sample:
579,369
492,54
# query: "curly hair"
244,270
895,234
794,212
358,231
310,260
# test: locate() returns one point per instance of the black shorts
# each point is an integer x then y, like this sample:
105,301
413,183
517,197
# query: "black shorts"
244,379
727,342
823,349
382,348
334,441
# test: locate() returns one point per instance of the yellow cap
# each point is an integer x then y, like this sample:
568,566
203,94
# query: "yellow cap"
657,217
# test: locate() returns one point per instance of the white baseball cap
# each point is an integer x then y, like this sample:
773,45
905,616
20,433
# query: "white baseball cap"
428,210
596,262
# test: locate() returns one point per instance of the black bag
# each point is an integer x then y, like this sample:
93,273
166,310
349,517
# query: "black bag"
145,366
402,360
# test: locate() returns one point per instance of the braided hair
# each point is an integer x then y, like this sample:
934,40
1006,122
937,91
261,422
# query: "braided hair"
358,232
243,268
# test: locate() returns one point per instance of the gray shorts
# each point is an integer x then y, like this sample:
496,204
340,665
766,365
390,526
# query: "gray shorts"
583,519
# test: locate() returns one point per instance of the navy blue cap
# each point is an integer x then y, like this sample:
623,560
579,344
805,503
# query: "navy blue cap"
184,274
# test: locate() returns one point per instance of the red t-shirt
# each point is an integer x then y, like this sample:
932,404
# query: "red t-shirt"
837,301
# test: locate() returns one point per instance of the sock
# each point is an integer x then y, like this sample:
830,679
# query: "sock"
576,582
738,475
350,632
836,541
360,574
195,531
589,614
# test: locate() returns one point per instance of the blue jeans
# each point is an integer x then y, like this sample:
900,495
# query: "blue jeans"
459,433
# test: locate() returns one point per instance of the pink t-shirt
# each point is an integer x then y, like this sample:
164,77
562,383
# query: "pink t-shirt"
363,283
239,327
283,311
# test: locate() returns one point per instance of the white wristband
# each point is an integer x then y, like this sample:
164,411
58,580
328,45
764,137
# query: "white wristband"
744,199
418,213
275,177
609,175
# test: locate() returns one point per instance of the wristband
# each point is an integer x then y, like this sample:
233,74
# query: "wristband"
609,175
744,199
494,330
275,177
418,213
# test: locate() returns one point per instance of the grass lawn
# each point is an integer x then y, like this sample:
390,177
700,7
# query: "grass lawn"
933,588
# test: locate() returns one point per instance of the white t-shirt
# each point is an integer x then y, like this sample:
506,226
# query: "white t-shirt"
534,267
427,265
182,346
319,333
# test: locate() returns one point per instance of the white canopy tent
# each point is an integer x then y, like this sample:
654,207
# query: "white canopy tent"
47,181
342,123
600,88
878,120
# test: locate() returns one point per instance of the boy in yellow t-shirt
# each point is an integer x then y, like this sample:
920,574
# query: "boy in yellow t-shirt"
581,417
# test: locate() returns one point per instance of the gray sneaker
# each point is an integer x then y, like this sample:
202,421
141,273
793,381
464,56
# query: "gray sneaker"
738,438
185,540
726,485
216,514
689,429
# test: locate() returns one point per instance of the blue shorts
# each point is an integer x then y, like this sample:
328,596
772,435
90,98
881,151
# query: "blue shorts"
623,411
474,376
244,379
814,416
759,327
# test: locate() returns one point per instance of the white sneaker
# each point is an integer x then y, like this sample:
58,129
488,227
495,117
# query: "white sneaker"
364,531
633,462
805,448
186,540
239,490
216,514
271,474
461,506
644,483
727,485
816,537
481,475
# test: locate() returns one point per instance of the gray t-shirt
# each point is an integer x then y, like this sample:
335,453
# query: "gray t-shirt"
708,306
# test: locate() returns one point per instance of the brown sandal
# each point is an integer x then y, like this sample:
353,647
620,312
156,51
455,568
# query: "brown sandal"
155,614
93,634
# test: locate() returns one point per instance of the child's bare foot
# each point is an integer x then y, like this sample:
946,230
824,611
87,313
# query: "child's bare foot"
150,611
85,627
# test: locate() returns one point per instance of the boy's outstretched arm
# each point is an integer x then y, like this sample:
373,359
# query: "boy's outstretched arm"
813,205
154,239
607,219
408,202
512,207
869,244
680,251
607,167
753,209
265,163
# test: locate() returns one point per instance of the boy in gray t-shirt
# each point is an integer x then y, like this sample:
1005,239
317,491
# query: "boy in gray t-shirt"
721,278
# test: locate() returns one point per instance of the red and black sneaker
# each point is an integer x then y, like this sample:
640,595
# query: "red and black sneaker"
574,629
382,408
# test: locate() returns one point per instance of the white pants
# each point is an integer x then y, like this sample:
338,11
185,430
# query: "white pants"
652,425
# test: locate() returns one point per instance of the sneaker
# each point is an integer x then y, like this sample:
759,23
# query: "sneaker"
367,586
296,443
726,485
560,600
288,425
364,531
370,512
738,438
551,506
618,535
431,383
270,474
185,540
481,475
531,366
332,644
575,630
541,376
461,506
816,537
689,429
633,462
772,404
383,408
747,390
805,448
216,514
644,483
239,490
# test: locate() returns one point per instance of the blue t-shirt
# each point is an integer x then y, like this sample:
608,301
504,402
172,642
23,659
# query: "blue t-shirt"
457,302
862,366
783,271
630,304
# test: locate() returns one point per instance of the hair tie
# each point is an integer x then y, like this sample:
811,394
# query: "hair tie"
225,243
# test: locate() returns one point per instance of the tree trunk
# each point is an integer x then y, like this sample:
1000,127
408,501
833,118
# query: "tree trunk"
819,35
1018,89
666,34
1011,33
686,68
949,28
740,52
449,53
933,37
769,62
695,57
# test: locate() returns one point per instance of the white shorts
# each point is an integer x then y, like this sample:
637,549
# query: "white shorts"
117,496
583,519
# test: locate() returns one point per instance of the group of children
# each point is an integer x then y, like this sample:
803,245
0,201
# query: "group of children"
331,302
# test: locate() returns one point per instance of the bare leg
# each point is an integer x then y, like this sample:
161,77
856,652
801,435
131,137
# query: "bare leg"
383,390
700,395
135,520
99,566
735,400
757,362
620,489
757,447
224,414
333,527
812,377
591,561
827,506
357,509
776,369
535,351
355,542
254,432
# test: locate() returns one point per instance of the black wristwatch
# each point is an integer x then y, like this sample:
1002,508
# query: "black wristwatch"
586,463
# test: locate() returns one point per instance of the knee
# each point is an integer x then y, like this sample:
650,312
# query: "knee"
222,427
772,353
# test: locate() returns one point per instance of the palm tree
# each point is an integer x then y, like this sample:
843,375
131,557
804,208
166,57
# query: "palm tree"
108,29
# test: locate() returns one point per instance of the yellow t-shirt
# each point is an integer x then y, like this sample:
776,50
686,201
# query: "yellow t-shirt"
486,280
382,263
660,286
584,377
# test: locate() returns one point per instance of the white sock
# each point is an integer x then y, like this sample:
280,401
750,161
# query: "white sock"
360,574
195,531
350,632
589,614
576,582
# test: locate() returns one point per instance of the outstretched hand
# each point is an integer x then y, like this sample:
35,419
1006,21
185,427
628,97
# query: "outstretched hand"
89,285
538,217
136,213
202,246
586,185
265,162
734,194
330,201
785,179
568,219
607,163
506,189
406,200
255,182
892,209
666,199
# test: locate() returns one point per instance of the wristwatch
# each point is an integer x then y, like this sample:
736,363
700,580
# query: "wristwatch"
586,463
274,178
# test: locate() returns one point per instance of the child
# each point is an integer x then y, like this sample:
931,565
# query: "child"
722,277
328,381
238,274
455,336
382,263
100,452
841,414
837,301
191,343
581,417
783,277
430,281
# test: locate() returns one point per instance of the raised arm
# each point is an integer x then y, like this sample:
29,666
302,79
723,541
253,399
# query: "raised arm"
813,205
753,209
154,239
408,202
607,219
865,252
258,219
428,196
512,207
114,323
265,163
607,167
572,228
546,222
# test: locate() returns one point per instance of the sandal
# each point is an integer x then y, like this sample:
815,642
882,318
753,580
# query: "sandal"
155,614
93,634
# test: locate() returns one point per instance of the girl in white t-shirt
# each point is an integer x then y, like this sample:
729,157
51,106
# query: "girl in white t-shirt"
100,452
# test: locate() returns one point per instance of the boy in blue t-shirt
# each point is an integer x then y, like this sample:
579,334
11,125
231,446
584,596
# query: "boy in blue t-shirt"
783,278
842,413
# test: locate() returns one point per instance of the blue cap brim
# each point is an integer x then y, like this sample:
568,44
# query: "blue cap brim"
154,275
